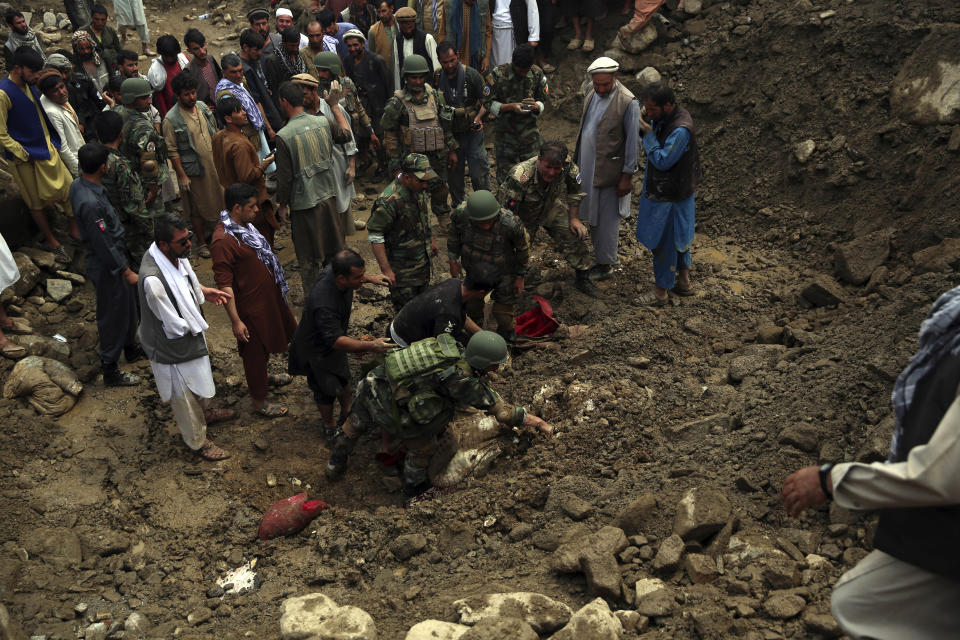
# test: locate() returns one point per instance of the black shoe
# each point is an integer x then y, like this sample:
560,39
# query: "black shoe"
510,336
584,284
117,378
334,472
134,354
411,490
600,272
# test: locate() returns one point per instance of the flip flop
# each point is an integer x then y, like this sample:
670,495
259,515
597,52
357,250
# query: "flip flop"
272,410
13,351
279,379
650,299
17,327
204,251
588,45
212,452
219,415
574,44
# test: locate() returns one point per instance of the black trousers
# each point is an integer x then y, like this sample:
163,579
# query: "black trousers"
78,11
118,315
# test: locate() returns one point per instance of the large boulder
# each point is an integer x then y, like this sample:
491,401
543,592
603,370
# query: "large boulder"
702,512
317,617
540,612
29,274
436,630
925,90
595,621
499,628
858,259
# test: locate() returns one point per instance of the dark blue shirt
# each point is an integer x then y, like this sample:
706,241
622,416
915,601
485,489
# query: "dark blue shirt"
102,233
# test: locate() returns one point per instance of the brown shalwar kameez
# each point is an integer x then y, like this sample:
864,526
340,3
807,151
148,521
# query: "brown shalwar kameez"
237,161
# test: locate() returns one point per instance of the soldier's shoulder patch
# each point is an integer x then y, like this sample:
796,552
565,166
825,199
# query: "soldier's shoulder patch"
486,90
101,225
151,146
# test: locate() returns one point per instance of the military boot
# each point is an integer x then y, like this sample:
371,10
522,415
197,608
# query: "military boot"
342,448
585,284
415,480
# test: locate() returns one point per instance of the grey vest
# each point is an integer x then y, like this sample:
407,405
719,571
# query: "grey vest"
189,159
611,138
155,343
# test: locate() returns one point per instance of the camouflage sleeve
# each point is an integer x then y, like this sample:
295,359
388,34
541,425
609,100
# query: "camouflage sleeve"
390,122
468,389
541,90
453,233
446,123
521,248
131,190
380,221
511,193
491,100
573,181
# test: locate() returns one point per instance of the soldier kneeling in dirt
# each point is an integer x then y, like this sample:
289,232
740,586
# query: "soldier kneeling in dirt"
412,397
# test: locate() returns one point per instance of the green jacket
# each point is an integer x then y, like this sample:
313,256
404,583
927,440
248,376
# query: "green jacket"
305,160
518,130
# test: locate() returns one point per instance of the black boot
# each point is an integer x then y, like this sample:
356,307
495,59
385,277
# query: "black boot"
601,272
510,335
584,284
114,377
342,448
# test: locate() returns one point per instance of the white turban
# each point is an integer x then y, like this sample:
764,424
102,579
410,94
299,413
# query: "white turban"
603,64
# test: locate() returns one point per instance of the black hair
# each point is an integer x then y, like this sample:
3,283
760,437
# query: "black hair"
165,224
230,60
167,45
345,261
194,35
183,82
553,151
49,82
27,56
292,93
658,93
444,46
115,83
92,156
98,8
290,34
227,106
252,39
482,276
11,14
523,56
109,126
326,18
238,193
125,55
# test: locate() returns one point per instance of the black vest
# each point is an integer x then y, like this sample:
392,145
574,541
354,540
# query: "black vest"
925,537
679,181
419,47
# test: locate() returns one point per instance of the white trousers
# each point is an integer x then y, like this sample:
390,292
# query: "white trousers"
503,45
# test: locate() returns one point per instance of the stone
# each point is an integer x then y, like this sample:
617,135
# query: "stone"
602,574
610,540
647,76
407,546
8,628
106,543
199,616
769,334
498,628
64,24
60,545
743,366
29,274
822,624
652,597
49,19
136,625
858,259
43,259
712,622
96,631
781,573
953,144
938,258
595,621
669,555
692,7
520,531
632,518
317,617
544,614
638,41
576,507
701,568
783,606
437,630
628,619
804,150
38,345
823,291
75,278
802,435
924,91
702,512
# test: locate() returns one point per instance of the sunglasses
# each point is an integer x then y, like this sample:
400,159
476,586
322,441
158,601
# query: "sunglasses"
185,240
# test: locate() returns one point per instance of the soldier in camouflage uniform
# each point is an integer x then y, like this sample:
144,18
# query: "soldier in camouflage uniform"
515,93
429,132
416,411
146,151
481,231
399,231
328,67
530,191
123,185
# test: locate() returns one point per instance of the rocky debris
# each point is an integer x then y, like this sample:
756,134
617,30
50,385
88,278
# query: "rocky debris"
58,289
41,258
769,334
317,617
569,556
702,512
57,546
938,258
701,568
96,631
924,91
802,435
669,555
647,76
858,259
822,624
804,150
75,278
544,614
106,543
30,274
9,629
631,519
38,345
638,41
576,507
199,615
781,573
602,574
407,546
49,19
498,628
782,606
595,621
436,630
652,597
822,291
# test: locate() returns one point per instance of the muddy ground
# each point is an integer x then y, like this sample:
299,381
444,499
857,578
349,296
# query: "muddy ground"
731,389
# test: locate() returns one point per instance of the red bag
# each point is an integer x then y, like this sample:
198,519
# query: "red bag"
289,516
537,322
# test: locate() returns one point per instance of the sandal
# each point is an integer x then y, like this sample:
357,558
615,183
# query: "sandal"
17,327
548,68
13,351
683,291
651,299
60,255
279,379
574,44
212,452
588,45
218,415
204,251
272,410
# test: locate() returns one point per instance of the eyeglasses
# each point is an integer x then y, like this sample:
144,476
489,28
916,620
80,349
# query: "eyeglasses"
186,239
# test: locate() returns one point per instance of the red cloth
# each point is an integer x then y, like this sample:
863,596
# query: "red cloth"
289,516
165,98
537,322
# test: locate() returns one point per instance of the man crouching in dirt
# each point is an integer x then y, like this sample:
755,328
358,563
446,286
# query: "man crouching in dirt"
909,586
412,396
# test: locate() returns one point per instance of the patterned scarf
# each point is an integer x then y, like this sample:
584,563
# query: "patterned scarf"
241,94
294,66
249,236
939,336
16,40
79,36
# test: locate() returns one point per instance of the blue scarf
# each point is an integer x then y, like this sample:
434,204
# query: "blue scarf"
939,335
475,55
249,236
241,94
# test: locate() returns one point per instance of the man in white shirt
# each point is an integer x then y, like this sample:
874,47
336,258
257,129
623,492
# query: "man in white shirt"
507,33
63,118
172,333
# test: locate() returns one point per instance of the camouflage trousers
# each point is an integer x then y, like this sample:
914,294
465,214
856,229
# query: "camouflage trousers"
139,232
557,225
410,283
504,299
439,191
508,155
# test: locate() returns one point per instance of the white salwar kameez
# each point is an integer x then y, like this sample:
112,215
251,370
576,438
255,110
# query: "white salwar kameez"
187,386
9,272
601,208
130,13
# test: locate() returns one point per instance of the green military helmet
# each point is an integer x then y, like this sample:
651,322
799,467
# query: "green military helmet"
328,60
482,205
133,88
486,348
415,64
